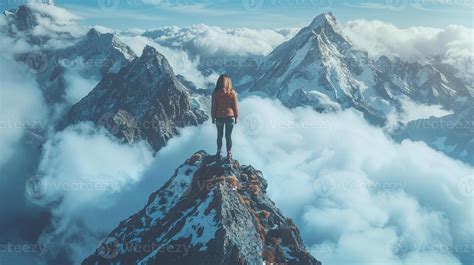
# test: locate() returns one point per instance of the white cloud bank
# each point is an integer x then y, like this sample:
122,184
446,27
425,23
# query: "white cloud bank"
411,111
204,40
187,47
21,105
83,174
357,196
453,43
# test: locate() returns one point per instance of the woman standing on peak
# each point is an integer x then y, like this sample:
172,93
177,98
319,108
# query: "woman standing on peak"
224,112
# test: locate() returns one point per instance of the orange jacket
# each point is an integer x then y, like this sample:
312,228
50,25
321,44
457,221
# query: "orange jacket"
224,105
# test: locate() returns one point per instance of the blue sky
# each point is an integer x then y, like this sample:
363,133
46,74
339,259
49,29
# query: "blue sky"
123,14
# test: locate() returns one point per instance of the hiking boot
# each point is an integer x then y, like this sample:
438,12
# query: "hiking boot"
218,156
229,156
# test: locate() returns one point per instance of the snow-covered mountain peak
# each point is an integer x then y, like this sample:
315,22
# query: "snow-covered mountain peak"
102,43
326,18
153,62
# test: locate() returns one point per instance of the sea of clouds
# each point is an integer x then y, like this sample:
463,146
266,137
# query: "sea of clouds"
453,43
356,195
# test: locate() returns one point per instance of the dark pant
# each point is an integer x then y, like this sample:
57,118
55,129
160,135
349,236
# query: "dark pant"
228,123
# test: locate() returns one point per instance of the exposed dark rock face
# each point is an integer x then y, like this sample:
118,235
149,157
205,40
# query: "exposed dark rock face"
209,212
144,100
451,134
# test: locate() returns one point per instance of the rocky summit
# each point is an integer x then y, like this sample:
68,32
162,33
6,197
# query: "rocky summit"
209,212
143,101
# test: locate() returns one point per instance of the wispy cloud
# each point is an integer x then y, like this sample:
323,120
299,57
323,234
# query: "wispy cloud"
87,12
371,5
198,9
435,5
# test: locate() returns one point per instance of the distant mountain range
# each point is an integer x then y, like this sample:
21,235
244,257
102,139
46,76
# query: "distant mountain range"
318,67
452,134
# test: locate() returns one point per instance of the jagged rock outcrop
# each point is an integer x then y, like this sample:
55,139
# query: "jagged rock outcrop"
208,212
144,100
92,57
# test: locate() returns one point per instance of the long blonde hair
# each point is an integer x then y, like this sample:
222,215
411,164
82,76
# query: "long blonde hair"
225,83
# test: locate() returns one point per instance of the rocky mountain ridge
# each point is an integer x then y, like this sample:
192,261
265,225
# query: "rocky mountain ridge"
208,212
144,100
319,67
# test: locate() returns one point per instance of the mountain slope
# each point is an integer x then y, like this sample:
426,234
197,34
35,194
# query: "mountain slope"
209,212
144,100
321,62
451,134
91,57
60,47
430,83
